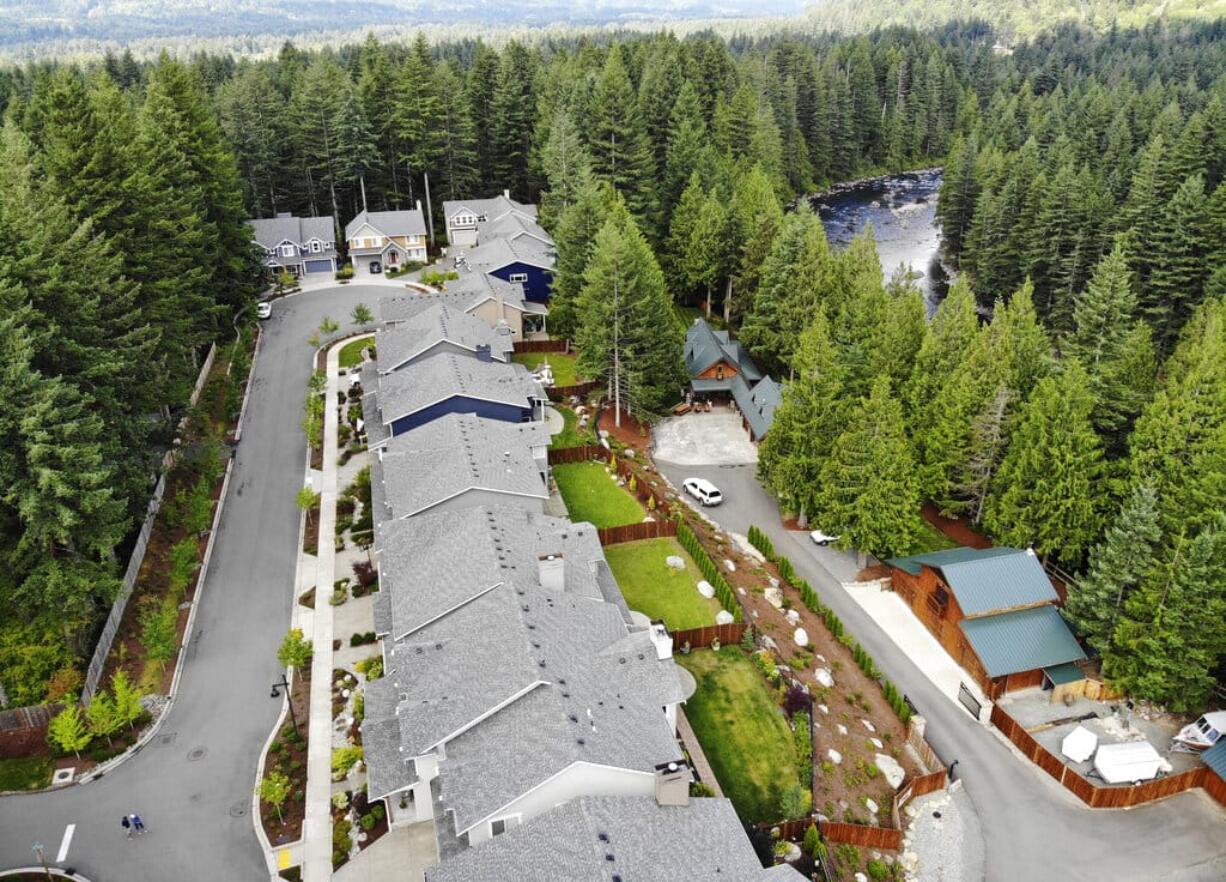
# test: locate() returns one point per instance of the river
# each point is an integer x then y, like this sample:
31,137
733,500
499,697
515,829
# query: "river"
902,211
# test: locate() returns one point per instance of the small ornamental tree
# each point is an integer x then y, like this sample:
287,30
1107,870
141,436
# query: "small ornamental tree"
813,840
101,716
306,500
127,699
362,315
157,629
295,650
328,326
67,731
274,789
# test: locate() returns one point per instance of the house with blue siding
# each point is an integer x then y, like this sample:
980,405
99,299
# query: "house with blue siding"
526,261
297,245
447,383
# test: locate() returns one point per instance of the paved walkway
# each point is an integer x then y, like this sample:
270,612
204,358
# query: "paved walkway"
193,783
697,758
317,829
401,854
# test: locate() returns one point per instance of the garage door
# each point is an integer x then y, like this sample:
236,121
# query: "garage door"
319,266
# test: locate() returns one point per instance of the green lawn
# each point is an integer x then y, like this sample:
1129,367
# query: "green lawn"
563,365
652,588
742,731
570,436
932,539
31,773
591,495
351,352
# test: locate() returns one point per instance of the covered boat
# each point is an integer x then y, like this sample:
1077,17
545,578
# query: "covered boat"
1205,732
1128,762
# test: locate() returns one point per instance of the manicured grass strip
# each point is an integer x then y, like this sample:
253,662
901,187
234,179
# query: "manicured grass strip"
592,495
742,731
351,352
570,436
26,773
563,365
659,592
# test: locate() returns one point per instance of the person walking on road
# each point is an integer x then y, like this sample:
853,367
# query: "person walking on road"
127,826
137,824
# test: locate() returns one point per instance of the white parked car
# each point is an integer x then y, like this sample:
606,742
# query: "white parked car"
822,539
703,490
263,310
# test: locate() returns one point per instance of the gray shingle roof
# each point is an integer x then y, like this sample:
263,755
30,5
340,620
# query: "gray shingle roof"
465,293
512,226
493,207
497,253
1022,640
648,842
272,231
985,580
757,405
389,223
457,453
436,325
445,376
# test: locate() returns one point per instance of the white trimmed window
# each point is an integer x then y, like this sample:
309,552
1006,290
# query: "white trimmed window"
287,250
519,277
316,247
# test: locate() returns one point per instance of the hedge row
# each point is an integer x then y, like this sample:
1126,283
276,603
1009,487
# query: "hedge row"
830,619
710,570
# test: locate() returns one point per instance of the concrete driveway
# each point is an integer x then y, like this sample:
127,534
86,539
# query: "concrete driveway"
193,783
714,438
1031,828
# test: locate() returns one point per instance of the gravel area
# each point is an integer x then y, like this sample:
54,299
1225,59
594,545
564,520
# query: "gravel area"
948,848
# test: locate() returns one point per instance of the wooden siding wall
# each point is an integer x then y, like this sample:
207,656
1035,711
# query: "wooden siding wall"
1105,797
918,592
713,372
700,638
561,393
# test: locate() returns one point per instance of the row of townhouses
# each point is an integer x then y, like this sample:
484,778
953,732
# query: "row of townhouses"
525,710
497,238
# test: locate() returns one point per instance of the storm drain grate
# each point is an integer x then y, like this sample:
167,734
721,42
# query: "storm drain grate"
239,809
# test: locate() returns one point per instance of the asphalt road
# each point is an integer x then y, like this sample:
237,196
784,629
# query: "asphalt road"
194,791
1032,829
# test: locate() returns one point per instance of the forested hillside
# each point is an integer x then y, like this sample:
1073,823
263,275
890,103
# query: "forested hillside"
122,256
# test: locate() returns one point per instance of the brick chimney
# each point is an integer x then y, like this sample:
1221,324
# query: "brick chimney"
673,783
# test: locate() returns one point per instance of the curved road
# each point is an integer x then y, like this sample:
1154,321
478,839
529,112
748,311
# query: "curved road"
1033,829
197,806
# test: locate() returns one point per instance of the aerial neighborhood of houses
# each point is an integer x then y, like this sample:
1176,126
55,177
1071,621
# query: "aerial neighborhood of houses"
522,701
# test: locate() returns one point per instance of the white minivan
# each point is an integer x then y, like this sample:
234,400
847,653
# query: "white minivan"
703,490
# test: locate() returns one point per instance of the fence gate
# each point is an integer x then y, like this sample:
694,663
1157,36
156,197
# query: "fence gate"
969,701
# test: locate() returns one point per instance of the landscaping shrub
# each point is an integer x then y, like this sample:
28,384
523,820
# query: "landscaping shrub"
766,664
368,822
343,759
878,870
371,668
803,737
786,572
762,542
362,639
710,570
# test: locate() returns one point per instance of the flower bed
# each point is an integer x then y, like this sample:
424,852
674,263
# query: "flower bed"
287,757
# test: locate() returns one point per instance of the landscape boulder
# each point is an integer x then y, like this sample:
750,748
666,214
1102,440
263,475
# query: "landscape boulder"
723,617
890,769
706,589
801,637
674,562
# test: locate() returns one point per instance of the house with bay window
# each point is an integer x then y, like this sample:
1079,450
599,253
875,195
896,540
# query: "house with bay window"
299,245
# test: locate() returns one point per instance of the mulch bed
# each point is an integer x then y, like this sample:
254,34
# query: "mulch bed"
289,755
956,529
631,433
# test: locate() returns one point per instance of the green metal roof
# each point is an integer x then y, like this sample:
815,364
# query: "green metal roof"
1065,673
1215,758
986,579
1021,640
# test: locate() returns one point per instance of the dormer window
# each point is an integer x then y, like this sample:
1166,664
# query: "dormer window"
287,250
316,247
519,277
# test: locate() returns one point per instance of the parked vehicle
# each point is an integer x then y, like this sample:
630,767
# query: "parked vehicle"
822,539
703,490
1205,732
375,267
263,310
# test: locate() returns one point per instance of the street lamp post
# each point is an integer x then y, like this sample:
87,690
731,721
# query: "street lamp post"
283,683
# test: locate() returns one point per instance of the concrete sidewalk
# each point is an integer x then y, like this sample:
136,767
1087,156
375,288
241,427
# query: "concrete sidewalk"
317,828
402,854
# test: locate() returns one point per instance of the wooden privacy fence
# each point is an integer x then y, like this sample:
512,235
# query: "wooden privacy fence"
1105,797
915,788
586,453
561,393
23,730
635,532
838,832
542,346
701,638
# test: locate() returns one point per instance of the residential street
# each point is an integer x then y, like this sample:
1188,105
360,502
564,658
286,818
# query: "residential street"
197,804
1032,828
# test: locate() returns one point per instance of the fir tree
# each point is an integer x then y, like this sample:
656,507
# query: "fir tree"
620,148
574,234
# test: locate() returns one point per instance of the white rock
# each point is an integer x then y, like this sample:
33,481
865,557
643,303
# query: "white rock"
723,617
822,818
793,617
769,643
890,769
823,708
774,596
821,658
674,562
824,677
706,589
729,566
835,756
801,638
741,591
877,743
842,729
774,582
868,725
870,805
860,877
